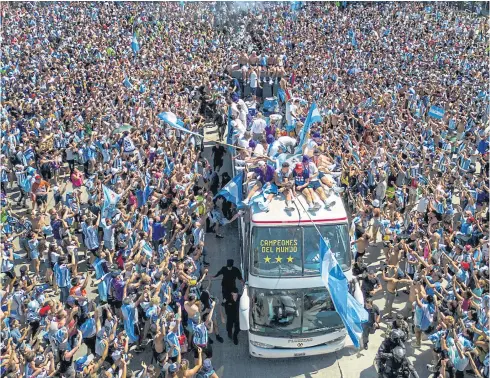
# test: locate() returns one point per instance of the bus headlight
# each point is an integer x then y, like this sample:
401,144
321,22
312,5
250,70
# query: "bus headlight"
262,345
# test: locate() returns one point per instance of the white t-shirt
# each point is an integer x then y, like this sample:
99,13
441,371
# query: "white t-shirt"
290,108
259,149
310,147
258,126
422,206
287,141
253,80
242,142
239,126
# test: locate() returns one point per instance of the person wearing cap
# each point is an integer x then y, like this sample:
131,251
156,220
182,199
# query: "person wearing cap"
207,370
301,181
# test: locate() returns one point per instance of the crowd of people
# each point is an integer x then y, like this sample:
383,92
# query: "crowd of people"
99,194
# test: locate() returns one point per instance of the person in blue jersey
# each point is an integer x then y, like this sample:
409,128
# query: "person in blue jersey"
301,184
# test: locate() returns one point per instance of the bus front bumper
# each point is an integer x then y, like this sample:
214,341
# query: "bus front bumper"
329,347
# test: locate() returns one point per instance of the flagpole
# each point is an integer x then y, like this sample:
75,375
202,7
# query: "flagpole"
212,140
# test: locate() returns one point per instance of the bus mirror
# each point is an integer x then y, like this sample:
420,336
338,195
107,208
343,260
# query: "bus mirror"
244,310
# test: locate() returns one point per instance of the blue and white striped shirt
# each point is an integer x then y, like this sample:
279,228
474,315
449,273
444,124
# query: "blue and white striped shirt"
63,275
91,238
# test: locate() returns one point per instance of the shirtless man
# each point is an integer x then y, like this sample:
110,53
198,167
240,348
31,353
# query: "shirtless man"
192,310
159,341
253,59
322,163
362,243
243,61
391,287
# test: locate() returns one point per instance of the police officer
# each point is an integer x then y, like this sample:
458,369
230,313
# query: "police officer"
387,346
231,305
401,324
397,365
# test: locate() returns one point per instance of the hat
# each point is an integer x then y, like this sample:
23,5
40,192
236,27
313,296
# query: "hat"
173,368
252,144
207,365
376,203
465,265
261,163
471,219
298,167
37,177
270,139
306,159
467,247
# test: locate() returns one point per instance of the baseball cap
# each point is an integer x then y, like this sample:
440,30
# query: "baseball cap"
207,365
261,163
173,368
298,167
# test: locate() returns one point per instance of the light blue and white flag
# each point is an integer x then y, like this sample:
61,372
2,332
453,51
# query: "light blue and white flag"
127,83
436,112
135,46
142,196
349,309
172,120
110,200
313,117
28,155
233,190
147,250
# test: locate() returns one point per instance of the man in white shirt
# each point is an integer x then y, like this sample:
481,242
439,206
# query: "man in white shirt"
254,84
258,127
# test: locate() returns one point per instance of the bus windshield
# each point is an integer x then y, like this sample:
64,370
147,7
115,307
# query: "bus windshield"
295,251
293,313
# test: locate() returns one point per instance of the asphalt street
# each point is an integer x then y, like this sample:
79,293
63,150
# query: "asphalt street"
233,361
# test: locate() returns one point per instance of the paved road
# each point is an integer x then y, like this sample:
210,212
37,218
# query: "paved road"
231,361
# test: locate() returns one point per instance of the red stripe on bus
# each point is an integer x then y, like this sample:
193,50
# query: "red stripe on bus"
302,221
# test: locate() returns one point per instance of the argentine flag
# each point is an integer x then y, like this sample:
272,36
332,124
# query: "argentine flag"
349,309
110,200
233,190
142,196
172,120
313,117
135,46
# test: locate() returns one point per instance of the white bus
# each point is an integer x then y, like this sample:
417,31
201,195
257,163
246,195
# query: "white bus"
285,306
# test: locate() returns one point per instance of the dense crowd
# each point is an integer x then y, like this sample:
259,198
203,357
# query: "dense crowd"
98,191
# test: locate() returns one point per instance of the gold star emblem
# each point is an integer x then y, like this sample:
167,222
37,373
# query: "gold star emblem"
279,259
267,259
290,259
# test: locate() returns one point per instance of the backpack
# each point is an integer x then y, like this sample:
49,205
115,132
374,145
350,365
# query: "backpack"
202,374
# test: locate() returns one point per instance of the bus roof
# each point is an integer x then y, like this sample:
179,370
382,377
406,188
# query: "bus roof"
278,216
